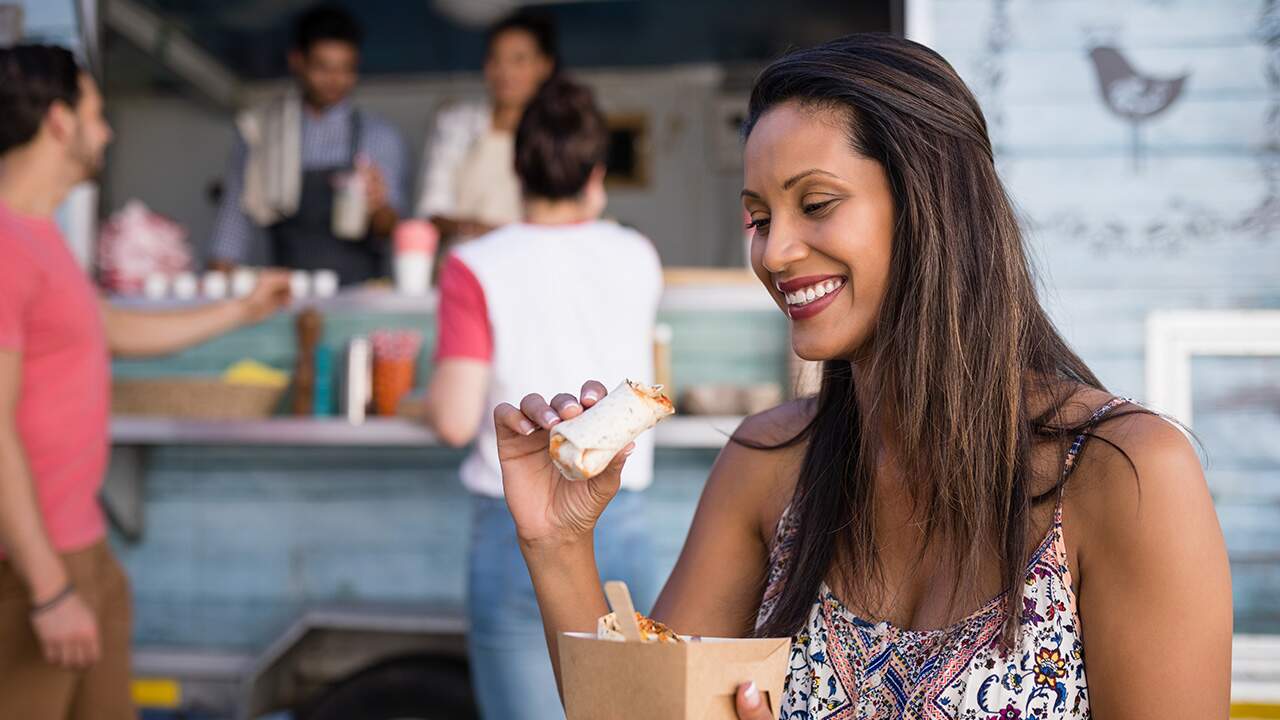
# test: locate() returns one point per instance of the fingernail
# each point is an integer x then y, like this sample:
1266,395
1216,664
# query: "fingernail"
571,405
590,396
628,450
550,417
527,428
752,696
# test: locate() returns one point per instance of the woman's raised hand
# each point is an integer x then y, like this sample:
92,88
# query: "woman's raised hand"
550,509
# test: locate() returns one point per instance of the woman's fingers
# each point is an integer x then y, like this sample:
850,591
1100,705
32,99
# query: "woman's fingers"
536,409
751,703
567,406
507,417
592,393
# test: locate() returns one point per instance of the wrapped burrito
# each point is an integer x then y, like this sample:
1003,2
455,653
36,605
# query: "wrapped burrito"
583,447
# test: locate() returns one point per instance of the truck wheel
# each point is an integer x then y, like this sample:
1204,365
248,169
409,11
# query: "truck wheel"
410,689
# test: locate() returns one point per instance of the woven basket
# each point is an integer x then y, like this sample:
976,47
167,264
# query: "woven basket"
193,398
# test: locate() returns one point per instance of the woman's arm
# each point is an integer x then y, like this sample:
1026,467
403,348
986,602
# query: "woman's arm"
453,405
455,401
143,333
1155,585
716,586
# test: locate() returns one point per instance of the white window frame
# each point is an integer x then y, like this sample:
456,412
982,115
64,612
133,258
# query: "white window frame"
1174,338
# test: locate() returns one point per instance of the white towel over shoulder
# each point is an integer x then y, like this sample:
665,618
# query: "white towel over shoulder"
273,168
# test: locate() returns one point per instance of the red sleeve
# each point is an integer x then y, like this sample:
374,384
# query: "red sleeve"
18,283
462,318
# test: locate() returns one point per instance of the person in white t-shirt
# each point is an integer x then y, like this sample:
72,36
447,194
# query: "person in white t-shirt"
501,296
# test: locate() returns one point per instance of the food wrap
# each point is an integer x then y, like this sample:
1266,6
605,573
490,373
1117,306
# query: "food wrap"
583,447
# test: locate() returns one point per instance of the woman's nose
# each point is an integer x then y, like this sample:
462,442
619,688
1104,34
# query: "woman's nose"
782,248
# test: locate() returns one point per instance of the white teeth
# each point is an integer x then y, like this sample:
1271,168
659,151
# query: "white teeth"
813,292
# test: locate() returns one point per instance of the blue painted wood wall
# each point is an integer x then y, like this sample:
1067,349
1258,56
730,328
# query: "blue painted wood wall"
1197,226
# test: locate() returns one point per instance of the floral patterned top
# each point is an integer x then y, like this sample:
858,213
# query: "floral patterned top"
845,668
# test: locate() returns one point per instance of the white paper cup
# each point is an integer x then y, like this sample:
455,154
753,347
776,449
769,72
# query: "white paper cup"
214,285
350,219
185,286
324,283
156,286
243,281
299,284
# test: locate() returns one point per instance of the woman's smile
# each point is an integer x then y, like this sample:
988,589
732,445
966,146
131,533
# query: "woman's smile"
807,296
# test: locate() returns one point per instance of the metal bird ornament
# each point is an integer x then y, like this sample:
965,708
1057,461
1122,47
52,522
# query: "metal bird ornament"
1132,95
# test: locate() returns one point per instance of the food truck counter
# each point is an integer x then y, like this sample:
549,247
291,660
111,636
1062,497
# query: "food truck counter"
239,535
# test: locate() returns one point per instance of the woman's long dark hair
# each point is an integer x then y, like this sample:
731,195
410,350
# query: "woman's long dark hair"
960,345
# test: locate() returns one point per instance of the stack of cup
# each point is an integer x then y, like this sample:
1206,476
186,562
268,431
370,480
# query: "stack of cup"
415,243
395,357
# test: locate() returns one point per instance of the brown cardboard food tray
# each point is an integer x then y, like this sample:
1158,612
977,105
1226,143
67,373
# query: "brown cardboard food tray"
610,680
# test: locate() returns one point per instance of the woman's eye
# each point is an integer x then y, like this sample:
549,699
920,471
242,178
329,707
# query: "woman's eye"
759,224
812,208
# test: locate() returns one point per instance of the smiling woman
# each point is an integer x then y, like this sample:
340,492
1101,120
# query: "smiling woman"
912,527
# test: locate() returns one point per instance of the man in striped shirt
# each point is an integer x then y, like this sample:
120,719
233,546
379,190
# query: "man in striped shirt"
334,138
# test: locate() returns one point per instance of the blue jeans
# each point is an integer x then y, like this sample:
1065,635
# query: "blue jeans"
510,666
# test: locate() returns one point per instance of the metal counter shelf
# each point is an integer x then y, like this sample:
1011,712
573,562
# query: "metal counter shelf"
701,431
132,438
683,297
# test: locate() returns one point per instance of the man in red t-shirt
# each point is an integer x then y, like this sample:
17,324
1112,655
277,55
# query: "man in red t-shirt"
64,605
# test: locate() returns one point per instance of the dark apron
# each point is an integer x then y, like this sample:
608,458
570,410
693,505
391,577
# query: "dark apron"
306,240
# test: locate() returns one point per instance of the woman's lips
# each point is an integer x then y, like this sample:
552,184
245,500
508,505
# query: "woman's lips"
800,283
805,297
808,310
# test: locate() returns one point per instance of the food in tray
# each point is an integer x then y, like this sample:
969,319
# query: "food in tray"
650,630
583,447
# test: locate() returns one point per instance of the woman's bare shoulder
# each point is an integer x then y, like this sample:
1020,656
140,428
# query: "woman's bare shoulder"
1138,478
763,458
777,427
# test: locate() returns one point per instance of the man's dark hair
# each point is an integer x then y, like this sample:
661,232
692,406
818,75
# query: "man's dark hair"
32,78
538,24
326,22
561,138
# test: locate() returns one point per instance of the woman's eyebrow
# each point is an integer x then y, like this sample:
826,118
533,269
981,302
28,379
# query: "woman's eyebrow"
791,181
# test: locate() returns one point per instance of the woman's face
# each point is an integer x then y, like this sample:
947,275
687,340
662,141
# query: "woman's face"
515,68
823,218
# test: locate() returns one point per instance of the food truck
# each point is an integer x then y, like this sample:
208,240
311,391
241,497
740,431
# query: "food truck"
312,566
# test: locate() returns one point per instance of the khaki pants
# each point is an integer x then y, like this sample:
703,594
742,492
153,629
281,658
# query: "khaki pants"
32,689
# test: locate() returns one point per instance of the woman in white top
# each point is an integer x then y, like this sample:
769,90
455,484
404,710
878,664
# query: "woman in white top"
469,184
495,310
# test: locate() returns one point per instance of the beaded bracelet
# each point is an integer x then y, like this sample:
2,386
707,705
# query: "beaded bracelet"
54,601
